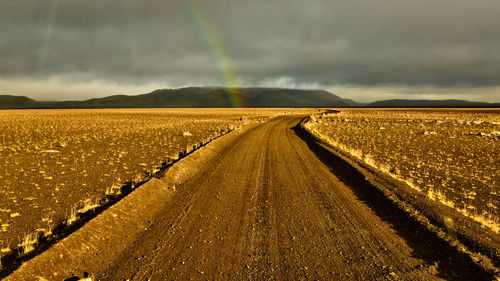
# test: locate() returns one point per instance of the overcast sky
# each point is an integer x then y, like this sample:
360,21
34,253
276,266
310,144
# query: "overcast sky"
360,49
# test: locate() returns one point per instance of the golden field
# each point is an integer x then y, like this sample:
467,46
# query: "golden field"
55,164
450,155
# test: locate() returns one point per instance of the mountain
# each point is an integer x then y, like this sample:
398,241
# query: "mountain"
430,103
7,101
352,103
222,97
196,97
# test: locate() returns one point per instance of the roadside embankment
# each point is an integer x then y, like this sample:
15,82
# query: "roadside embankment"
98,241
462,233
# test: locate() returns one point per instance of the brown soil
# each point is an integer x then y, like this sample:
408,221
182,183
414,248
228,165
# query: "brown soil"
449,154
255,205
52,161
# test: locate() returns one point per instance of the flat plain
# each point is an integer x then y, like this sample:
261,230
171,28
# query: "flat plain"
451,155
266,201
53,163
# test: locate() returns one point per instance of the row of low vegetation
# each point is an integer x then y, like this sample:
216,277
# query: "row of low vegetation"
62,168
452,157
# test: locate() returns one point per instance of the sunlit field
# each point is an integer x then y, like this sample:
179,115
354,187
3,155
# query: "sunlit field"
56,163
450,155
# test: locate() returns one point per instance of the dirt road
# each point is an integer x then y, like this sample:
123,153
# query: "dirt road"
268,205
267,208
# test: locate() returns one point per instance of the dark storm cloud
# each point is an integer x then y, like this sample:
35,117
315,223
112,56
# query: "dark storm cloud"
429,43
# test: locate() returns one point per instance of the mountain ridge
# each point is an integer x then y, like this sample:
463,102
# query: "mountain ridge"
219,97
426,103
194,97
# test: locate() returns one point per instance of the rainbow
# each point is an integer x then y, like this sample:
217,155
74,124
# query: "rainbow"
219,55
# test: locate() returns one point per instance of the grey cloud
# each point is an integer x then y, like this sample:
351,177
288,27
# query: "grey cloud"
316,42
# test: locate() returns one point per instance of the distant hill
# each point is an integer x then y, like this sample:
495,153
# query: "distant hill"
430,103
195,97
7,101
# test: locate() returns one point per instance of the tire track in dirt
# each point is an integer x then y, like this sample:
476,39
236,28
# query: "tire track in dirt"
333,215
439,256
267,208
281,215
207,200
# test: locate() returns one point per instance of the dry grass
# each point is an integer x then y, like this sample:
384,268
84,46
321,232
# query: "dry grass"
112,190
385,146
89,204
59,157
28,243
73,215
